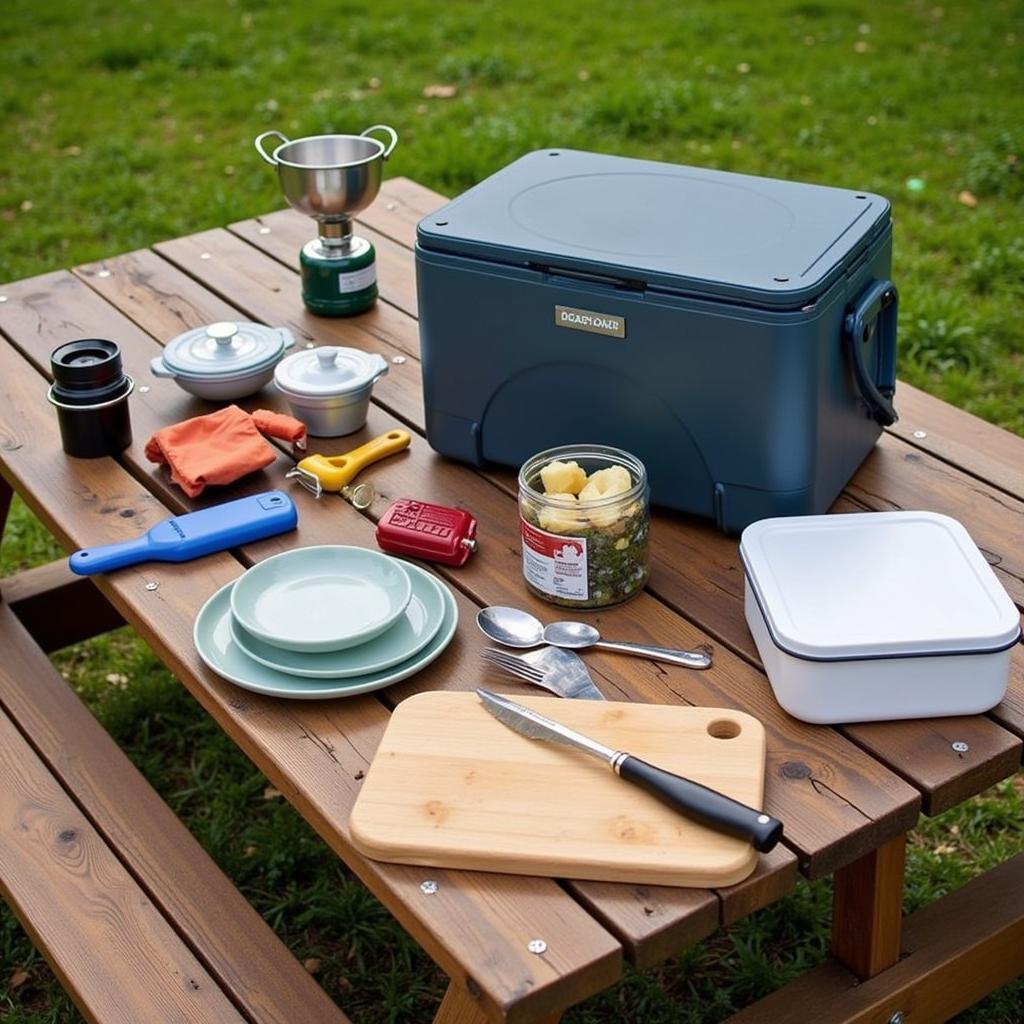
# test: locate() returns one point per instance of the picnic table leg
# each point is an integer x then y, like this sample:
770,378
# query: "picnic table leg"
867,910
6,494
459,1007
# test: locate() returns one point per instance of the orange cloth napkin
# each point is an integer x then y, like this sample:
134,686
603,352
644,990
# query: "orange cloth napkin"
221,447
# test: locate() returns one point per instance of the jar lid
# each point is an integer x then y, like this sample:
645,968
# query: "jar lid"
226,349
328,371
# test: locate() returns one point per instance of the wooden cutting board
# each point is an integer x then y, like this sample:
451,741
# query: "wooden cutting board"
450,786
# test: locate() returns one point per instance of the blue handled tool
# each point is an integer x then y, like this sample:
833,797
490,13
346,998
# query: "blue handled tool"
182,538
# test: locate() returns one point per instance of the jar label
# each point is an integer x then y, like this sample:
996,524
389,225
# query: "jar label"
555,564
357,280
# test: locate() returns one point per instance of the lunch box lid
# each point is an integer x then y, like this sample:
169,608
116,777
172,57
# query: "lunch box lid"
225,350
328,371
662,226
876,585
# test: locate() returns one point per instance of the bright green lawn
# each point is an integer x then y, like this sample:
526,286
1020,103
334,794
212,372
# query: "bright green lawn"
126,122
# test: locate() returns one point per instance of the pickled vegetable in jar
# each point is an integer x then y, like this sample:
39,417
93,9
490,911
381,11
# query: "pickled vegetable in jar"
584,515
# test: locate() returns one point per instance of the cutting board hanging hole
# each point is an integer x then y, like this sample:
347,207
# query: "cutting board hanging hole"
724,729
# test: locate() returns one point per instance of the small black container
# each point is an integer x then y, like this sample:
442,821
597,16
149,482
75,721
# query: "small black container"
90,392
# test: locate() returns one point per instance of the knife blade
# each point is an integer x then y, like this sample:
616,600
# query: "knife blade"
691,799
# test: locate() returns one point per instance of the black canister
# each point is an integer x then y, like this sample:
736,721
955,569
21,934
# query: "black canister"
90,392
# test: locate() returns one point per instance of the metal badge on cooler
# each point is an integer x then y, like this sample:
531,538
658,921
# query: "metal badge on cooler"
588,320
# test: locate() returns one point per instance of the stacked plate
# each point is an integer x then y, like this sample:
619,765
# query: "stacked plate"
324,622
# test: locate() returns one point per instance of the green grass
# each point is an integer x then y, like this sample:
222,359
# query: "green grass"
128,122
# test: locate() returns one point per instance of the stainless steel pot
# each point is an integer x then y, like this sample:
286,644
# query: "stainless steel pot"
329,177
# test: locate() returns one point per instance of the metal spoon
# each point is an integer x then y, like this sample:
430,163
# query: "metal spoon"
516,628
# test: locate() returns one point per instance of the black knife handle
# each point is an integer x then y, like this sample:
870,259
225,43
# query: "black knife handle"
716,810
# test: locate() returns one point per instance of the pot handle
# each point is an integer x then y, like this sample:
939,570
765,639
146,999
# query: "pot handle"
389,131
380,370
874,313
258,143
159,368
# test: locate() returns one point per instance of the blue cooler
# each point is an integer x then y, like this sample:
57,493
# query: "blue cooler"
738,334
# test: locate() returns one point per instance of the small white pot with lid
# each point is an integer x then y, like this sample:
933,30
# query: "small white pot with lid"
877,615
329,388
224,361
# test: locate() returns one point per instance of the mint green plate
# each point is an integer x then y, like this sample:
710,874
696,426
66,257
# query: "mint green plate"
212,636
415,626
321,598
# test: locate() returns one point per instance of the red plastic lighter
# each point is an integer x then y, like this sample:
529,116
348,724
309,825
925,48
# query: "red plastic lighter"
437,533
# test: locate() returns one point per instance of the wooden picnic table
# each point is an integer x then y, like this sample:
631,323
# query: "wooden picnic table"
848,795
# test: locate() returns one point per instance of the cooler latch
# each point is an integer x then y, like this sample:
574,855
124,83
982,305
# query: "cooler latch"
873,318
607,280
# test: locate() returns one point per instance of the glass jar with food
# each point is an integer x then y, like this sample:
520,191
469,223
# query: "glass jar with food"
584,513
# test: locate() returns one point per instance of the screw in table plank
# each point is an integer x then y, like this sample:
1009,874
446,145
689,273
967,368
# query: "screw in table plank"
919,434
960,747
204,256
537,946
103,273
152,585
398,360
264,231
896,1018
428,887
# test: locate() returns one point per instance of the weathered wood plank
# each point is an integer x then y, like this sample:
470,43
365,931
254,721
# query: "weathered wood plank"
315,753
57,607
74,897
222,929
828,827
981,449
956,950
683,915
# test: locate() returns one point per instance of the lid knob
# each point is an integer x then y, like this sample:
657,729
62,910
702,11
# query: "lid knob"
326,356
222,332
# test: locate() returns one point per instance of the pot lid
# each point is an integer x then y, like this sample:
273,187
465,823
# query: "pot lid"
876,585
226,349
328,370
661,226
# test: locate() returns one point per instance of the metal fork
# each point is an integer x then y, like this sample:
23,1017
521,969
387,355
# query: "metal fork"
551,668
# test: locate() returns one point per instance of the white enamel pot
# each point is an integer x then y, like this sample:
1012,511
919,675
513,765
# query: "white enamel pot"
329,388
225,361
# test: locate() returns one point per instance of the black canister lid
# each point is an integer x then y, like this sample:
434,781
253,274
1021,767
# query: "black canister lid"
87,367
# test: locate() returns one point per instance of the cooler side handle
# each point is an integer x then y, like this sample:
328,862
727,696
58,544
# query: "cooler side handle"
875,312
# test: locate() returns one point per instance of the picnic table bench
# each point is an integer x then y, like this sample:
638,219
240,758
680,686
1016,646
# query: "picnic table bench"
848,795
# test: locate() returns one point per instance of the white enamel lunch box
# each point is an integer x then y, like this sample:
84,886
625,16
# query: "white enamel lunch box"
877,615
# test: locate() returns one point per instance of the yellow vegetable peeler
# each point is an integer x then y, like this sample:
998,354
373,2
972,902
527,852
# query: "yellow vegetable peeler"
333,473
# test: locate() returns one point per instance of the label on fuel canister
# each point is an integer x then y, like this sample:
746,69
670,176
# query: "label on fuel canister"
555,564
357,280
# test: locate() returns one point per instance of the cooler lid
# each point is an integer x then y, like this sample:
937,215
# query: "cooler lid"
674,228
876,585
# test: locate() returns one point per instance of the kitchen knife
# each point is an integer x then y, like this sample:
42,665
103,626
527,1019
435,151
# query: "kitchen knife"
181,538
706,806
